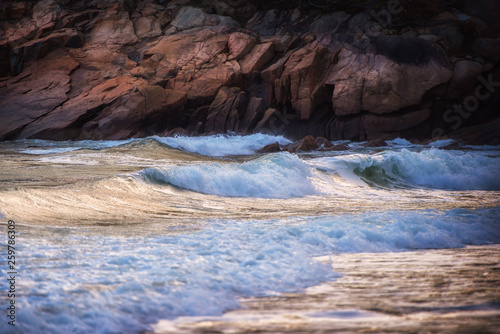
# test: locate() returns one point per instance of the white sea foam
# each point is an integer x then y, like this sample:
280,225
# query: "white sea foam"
280,175
399,142
431,168
109,284
221,145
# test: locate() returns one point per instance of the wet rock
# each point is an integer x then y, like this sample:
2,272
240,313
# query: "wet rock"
271,148
375,143
323,143
329,23
338,147
306,144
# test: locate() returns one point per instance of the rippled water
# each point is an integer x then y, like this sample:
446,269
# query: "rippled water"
158,234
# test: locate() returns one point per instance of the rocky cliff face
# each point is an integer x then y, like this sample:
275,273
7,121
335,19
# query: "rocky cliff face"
120,69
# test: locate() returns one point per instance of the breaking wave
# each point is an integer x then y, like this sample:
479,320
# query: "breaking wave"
432,168
280,175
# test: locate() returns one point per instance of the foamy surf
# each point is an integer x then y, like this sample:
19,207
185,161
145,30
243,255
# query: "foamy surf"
432,168
126,284
280,175
222,145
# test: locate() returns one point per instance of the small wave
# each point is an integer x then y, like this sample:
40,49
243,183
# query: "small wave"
222,145
431,168
104,285
280,175
40,147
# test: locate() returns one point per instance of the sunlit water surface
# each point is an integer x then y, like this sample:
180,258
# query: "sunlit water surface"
202,234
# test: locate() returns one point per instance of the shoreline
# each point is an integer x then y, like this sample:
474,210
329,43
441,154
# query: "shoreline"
454,290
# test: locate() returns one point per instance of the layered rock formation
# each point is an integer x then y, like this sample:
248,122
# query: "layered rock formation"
120,69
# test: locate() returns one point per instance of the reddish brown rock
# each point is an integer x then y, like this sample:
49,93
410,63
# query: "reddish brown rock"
240,45
253,114
114,30
380,82
36,92
260,55
190,17
323,143
302,80
224,111
145,112
306,144
64,122
392,123
271,148
266,124
375,143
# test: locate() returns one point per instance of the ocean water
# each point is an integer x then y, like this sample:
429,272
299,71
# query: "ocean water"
147,235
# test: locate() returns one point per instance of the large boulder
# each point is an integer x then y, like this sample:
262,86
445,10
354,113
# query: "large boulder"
36,92
260,55
225,111
190,17
392,73
65,121
302,80
114,30
147,111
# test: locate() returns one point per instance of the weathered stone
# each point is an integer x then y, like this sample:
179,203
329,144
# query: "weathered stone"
271,148
190,17
240,45
488,48
306,144
226,102
16,10
254,113
145,27
323,143
114,30
375,143
260,55
393,123
34,93
38,48
266,124
63,122
465,73
302,80
329,23
385,80
145,112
